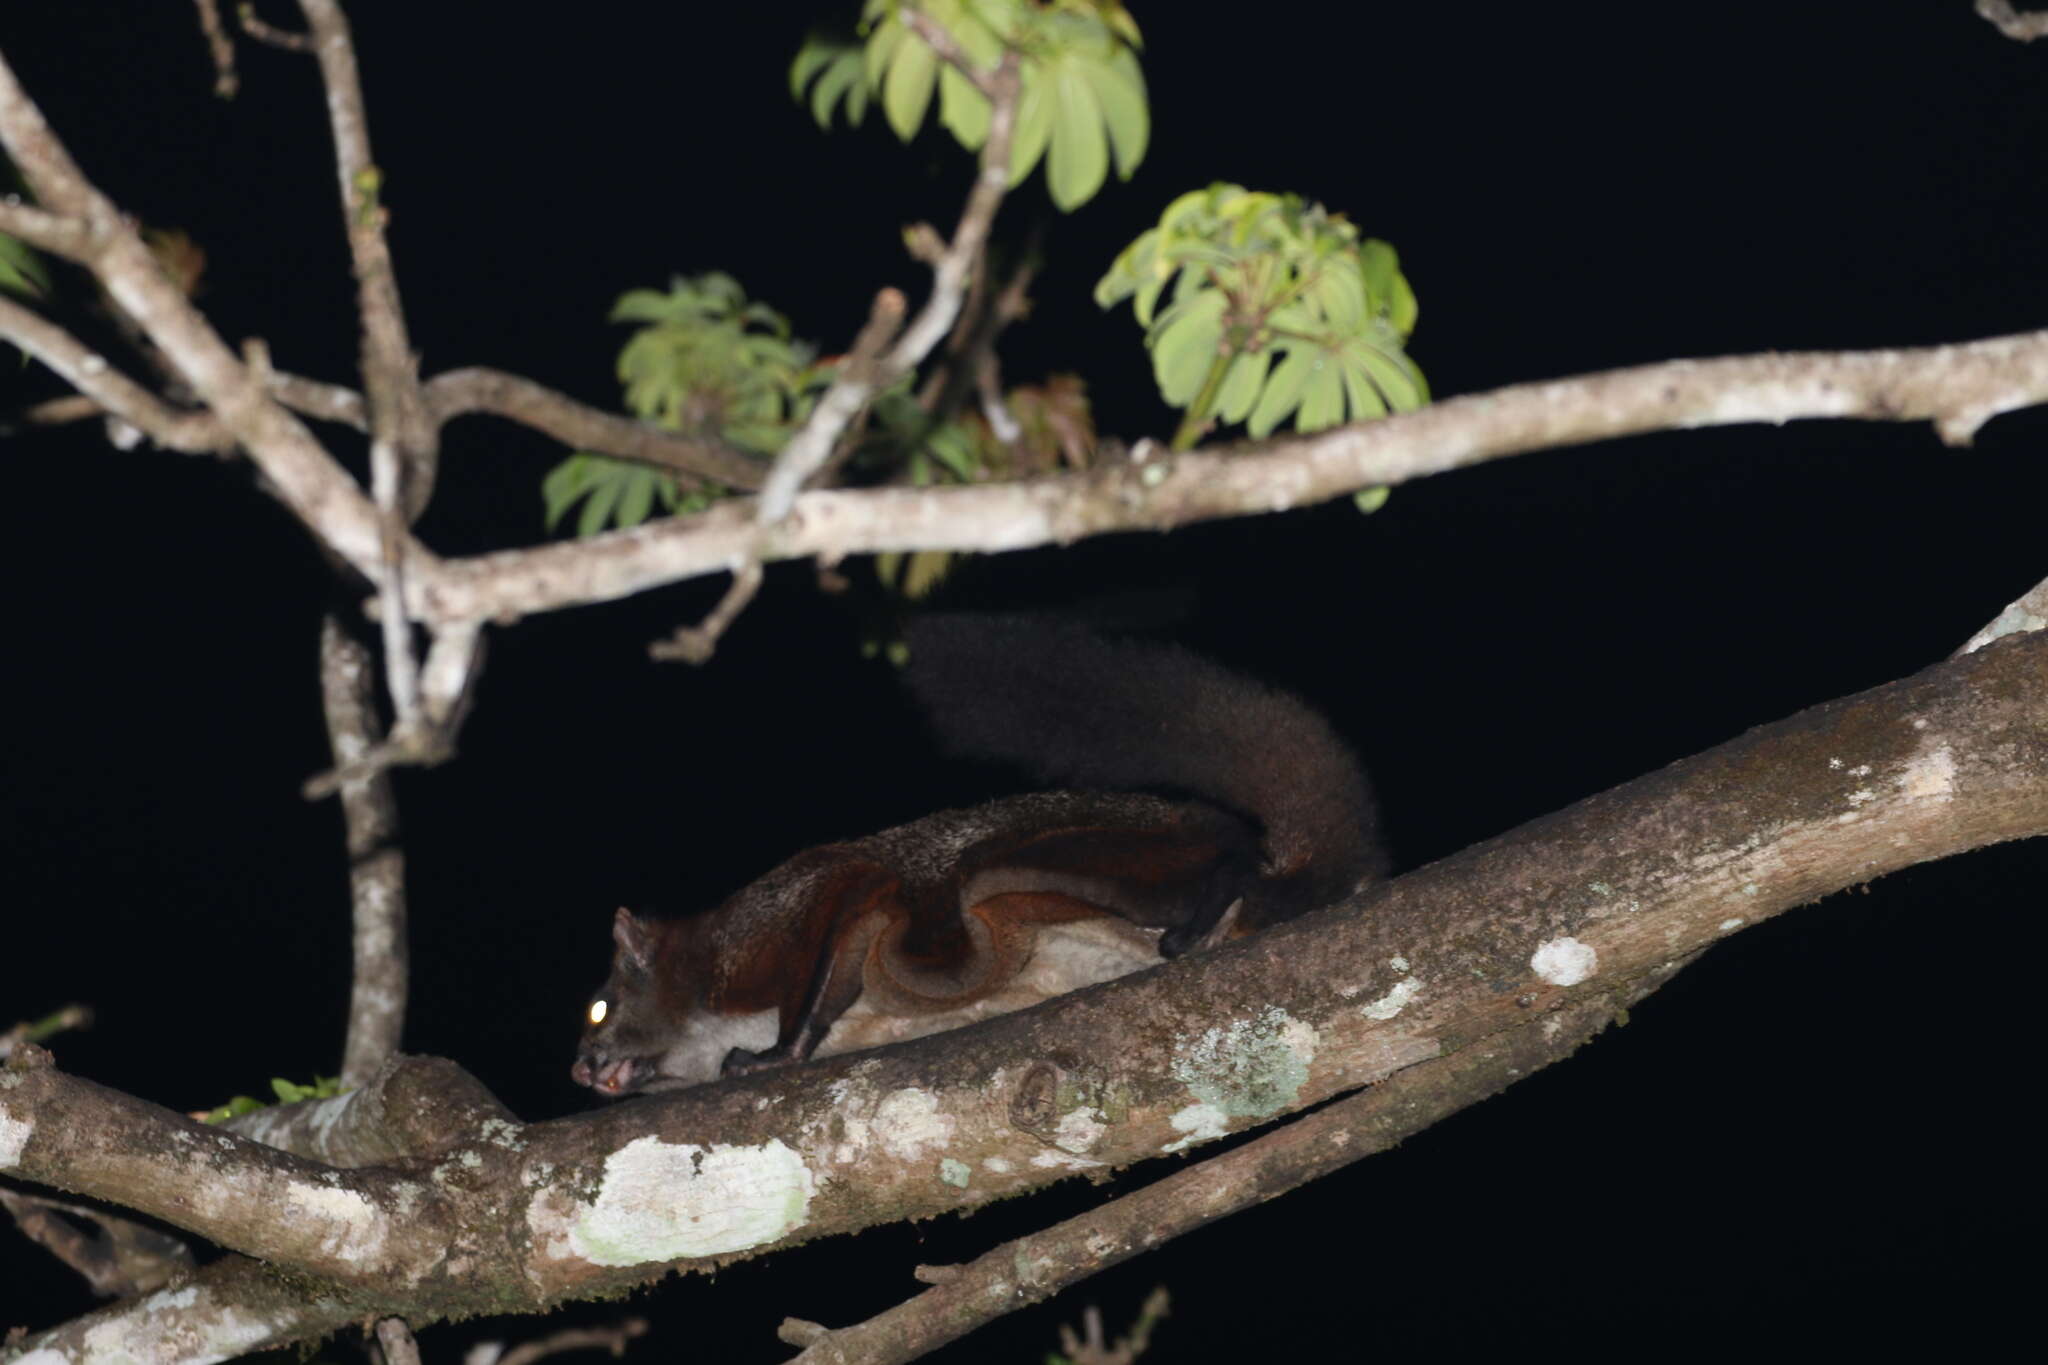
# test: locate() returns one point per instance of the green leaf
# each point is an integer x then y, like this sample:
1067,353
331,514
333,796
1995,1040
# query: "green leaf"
1241,385
907,91
1078,161
1322,398
21,270
1283,391
597,508
1365,400
1119,86
1034,126
963,110
1370,500
1184,345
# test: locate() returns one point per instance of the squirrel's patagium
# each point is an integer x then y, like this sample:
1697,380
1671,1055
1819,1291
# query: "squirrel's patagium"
971,913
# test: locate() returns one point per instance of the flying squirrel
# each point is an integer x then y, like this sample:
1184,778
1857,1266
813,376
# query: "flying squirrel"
1195,805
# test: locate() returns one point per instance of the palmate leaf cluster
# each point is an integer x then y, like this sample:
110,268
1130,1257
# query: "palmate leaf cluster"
1081,103
707,361
704,361
1274,307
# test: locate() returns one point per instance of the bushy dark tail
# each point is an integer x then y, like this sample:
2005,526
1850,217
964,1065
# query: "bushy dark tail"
1075,708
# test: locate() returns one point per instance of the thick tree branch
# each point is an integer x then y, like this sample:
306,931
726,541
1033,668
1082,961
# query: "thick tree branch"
1559,914
1957,386
1038,1265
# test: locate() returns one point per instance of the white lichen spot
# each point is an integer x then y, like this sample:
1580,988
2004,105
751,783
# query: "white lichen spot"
1835,764
352,1228
1200,1122
997,1165
46,1356
1249,1068
1931,775
1729,926
1749,889
1398,963
499,1133
1919,723
1078,1131
13,1141
955,1173
92,366
662,1201
909,1124
1564,962
1551,1026
1600,888
1394,1001
1860,795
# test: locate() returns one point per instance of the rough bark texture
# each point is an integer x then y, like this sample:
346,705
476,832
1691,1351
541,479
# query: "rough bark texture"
1577,906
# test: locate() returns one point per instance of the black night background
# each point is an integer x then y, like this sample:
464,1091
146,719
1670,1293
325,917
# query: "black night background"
1815,1133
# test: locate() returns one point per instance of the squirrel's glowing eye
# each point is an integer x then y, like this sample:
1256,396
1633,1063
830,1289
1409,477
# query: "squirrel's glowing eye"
597,1011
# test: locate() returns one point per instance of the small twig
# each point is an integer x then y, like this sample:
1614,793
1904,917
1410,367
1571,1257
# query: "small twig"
857,381
694,644
190,432
941,41
245,14
49,1026
123,1257
1092,1349
221,46
2013,24
57,233
611,1339
329,402
52,412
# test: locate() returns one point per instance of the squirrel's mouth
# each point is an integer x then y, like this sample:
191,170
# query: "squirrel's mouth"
610,1079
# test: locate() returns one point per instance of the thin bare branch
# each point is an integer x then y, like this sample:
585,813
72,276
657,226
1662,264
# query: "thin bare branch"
49,1026
2023,27
610,1339
116,1256
245,13
329,402
855,385
193,433
317,490
376,860
477,389
695,644
52,232
391,382
221,46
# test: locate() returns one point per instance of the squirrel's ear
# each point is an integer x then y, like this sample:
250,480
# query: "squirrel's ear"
634,937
